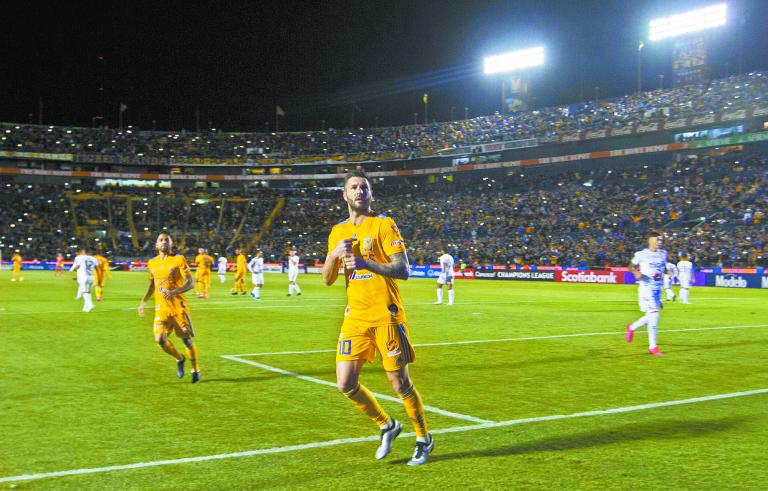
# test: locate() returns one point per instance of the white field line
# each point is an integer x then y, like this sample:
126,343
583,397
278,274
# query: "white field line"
347,441
508,340
331,384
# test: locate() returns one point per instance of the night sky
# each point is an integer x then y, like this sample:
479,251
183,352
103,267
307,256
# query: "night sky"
331,62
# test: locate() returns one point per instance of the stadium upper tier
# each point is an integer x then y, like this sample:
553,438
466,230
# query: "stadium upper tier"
714,208
391,143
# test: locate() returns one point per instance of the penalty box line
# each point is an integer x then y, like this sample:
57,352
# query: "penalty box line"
385,397
347,441
509,340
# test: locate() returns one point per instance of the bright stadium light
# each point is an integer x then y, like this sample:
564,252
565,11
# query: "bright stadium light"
514,60
687,22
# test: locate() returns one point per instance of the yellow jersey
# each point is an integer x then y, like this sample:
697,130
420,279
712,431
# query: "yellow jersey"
169,274
240,264
102,267
204,262
16,262
372,299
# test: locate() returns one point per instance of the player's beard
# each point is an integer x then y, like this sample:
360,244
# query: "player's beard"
360,207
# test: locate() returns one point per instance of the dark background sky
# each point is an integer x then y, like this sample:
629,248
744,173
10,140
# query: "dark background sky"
331,61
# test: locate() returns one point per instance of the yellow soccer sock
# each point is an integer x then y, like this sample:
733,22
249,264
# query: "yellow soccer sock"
98,291
367,403
192,355
414,407
169,348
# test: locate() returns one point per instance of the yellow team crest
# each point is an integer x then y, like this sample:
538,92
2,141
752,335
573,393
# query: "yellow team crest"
367,245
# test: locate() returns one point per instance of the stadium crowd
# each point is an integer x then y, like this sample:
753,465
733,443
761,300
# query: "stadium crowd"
713,208
546,124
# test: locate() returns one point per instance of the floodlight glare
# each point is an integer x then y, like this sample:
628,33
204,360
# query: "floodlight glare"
514,60
687,22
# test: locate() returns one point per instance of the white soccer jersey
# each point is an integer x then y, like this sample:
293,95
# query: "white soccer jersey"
446,269
293,267
685,273
85,266
446,263
222,265
256,265
669,275
652,266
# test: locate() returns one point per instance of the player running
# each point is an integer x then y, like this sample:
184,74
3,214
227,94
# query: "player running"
256,267
293,272
648,267
85,266
372,252
445,278
685,277
669,279
169,278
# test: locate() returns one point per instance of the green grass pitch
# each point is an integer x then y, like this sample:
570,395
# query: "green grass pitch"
90,391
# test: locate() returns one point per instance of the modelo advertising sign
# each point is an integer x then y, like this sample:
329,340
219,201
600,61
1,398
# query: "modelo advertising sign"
590,276
737,280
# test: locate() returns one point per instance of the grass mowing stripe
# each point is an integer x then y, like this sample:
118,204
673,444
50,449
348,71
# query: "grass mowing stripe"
507,340
345,441
331,384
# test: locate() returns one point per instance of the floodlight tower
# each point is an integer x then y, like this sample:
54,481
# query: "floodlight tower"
512,64
689,55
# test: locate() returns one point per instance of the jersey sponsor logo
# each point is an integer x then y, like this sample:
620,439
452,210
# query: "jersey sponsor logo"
355,276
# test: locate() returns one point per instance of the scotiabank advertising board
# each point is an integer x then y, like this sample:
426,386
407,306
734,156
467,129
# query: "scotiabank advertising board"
590,276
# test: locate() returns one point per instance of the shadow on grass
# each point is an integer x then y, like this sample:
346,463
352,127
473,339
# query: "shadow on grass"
651,431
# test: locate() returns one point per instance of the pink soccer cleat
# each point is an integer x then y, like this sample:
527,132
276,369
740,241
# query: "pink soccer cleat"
630,333
655,351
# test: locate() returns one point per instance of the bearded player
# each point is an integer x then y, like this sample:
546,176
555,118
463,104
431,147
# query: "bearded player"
372,252
169,278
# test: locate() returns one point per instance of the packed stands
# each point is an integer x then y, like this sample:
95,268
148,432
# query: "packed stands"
713,208
392,143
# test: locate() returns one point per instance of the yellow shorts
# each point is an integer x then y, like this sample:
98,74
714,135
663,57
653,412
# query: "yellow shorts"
180,323
362,342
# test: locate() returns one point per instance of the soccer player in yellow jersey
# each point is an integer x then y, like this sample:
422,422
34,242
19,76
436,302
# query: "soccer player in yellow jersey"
16,258
372,252
102,272
169,278
203,273
240,273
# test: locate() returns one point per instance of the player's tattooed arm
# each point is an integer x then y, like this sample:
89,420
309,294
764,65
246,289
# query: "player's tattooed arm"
397,267
189,283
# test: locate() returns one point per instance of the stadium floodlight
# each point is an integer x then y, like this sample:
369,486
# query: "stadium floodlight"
514,60
687,22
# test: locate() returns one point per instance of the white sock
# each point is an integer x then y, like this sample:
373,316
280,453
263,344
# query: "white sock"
653,323
296,287
683,295
639,322
670,294
88,302
256,291
450,297
439,295
290,289
79,294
